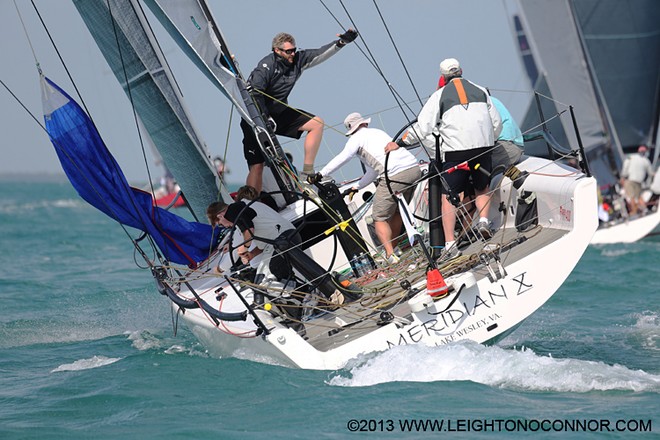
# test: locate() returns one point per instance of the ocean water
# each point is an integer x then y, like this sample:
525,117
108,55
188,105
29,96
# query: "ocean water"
88,349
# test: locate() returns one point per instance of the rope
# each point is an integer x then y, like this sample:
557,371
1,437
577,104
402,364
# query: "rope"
34,55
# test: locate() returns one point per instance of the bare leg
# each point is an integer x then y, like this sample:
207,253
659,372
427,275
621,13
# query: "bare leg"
384,233
482,201
255,177
314,129
395,227
448,218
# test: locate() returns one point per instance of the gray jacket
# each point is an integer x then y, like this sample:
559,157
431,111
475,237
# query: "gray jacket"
276,77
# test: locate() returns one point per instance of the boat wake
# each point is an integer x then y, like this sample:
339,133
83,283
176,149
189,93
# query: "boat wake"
494,366
86,364
24,333
144,341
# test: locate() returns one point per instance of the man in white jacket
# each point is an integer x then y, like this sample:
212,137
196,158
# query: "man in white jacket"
468,123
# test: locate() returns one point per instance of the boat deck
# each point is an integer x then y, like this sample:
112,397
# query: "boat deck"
385,294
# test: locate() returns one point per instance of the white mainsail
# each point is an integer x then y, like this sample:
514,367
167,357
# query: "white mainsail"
192,26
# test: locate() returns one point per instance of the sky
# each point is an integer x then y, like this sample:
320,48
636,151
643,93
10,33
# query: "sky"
476,32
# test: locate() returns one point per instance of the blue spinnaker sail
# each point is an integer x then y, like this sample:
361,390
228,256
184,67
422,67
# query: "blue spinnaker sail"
97,177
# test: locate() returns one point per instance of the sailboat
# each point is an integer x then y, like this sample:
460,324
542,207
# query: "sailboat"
543,214
604,58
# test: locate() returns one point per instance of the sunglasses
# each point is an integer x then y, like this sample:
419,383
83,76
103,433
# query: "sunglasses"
288,51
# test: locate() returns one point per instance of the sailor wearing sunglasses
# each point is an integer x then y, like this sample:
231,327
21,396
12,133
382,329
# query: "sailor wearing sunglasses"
272,81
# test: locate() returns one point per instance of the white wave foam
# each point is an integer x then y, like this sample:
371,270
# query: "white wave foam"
615,252
648,328
86,364
249,355
494,366
67,203
143,340
13,208
191,351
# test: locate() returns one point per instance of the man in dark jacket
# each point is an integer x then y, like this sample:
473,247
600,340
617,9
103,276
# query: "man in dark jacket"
272,81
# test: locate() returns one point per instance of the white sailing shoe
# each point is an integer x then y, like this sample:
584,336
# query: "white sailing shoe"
393,259
483,227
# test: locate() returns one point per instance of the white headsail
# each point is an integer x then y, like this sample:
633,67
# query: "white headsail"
129,46
191,24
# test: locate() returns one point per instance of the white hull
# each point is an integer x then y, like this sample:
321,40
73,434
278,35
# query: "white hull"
628,231
486,308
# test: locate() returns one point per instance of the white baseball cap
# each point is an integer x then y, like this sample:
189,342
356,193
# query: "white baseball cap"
449,66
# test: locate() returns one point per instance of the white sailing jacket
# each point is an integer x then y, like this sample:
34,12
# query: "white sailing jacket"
463,114
368,144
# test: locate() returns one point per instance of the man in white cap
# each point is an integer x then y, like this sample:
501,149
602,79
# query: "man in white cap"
636,169
468,123
371,146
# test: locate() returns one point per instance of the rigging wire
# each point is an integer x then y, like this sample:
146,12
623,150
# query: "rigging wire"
225,169
130,97
403,64
59,55
397,97
391,87
63,150
34,55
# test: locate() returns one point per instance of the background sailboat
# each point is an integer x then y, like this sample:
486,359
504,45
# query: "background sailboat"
603,57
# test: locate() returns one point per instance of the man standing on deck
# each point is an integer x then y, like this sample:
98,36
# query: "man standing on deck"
371,146
272,81
468,124
636,169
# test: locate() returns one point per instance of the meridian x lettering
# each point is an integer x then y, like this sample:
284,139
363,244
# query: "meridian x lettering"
439,327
